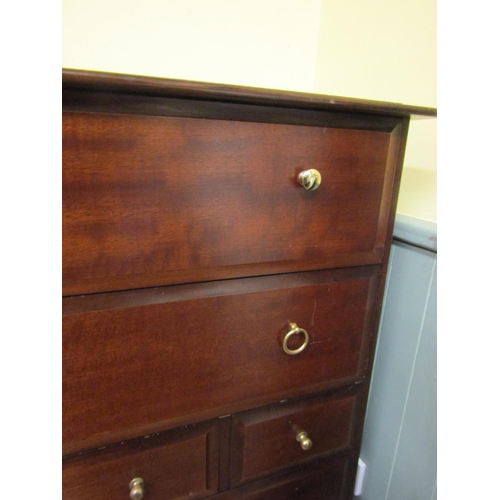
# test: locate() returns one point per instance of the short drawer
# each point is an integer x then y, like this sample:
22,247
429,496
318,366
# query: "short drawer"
178,464
325,479
151,200
138,362
284,435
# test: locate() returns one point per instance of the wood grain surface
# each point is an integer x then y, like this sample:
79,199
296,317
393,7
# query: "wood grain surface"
150,201
177,464
264,440
133,370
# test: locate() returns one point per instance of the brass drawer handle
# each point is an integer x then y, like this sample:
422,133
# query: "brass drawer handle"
136,490
310,179
304,440
294,330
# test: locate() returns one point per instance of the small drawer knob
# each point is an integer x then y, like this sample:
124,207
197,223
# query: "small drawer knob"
310,179
136,488
295,330
304,440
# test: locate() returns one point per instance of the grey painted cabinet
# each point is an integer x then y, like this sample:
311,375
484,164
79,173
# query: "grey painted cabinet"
399,443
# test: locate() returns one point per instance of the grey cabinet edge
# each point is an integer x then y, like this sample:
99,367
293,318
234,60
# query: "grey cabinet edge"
415,231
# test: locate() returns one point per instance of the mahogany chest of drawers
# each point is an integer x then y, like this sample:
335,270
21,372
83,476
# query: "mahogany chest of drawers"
224,259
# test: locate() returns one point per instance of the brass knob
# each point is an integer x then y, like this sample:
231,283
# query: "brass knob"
136,490
310,179
303,439
294,330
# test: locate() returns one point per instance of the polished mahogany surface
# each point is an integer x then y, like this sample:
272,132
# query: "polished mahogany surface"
179,356
119,85
176,464
153,200
327,421
323,479
191,256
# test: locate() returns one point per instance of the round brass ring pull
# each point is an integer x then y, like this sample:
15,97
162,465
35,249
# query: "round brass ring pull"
294,330
310,179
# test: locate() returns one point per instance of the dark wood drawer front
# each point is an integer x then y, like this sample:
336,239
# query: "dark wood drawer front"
178,464
266,440
151,201
143,361
320,480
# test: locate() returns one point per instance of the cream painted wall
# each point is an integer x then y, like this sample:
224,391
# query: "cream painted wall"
260,43
386,50
373,49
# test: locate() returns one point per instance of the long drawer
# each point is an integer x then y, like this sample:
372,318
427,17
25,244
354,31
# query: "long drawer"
150,200
139,362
